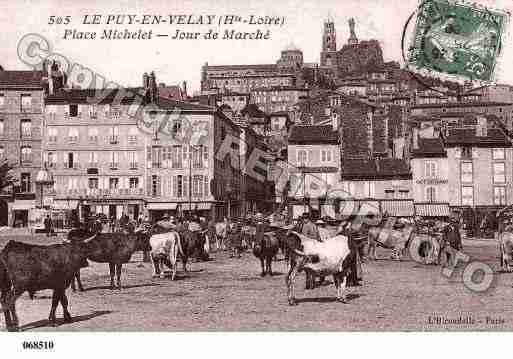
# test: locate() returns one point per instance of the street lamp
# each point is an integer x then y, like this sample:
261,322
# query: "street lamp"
44,178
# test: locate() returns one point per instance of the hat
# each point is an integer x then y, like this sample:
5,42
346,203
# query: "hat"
306,215
320,221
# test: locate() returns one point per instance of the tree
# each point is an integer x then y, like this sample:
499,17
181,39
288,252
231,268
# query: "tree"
7,178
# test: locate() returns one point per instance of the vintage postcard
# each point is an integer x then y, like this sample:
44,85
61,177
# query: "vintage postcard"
255,166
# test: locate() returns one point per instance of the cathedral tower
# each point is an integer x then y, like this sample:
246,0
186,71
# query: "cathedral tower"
329,45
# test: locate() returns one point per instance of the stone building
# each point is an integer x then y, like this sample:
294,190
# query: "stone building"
21,129
277,98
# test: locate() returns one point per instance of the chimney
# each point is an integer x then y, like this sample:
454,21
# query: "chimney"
415,138
145,81
48,69
185,89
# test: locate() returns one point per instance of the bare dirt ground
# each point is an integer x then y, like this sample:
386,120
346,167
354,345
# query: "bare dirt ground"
229,294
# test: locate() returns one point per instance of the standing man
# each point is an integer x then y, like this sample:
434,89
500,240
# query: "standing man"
453,239
48,225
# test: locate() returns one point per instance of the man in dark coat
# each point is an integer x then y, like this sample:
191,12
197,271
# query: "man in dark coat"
452,237
48,225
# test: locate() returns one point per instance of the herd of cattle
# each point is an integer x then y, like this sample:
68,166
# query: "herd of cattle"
28,267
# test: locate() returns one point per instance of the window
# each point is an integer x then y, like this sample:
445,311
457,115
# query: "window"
430,169
177,127
197,186
26,154
499,172
197,156
302,158
176,157
466,152
52,135
113,138
2,100
1,127
178,186
325,155
92,134
93,159
369,189
93,111
71,161
114,160
403,194
113,183
73,110
25,183
26,128
92,183
132,159
2,152
73,134
155,184
51,161
431,194
467,196
498,153
499,195
26,103
156,157
389,194
466,172
132,135
133,182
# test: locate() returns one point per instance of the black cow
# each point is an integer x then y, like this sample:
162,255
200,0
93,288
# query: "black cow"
29,267
193,246
265,248
112,248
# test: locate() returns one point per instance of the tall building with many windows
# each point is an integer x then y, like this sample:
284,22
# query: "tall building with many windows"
21,114
95,151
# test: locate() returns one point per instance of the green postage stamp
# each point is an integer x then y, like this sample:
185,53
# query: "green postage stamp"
457,40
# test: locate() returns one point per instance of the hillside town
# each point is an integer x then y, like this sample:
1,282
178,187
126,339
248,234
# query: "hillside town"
352,124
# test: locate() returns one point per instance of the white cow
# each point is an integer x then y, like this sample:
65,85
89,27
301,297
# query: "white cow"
333,256
165,248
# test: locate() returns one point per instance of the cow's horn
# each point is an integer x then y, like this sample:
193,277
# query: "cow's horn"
90,238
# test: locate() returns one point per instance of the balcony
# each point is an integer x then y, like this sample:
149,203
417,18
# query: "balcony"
133,165
92,165
72,139
93,115
113,139
93,139
113,165
71,166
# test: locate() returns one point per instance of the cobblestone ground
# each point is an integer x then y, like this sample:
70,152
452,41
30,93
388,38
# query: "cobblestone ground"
229,294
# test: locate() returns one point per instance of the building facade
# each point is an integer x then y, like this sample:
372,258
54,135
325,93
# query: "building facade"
95,152
21,127
277,98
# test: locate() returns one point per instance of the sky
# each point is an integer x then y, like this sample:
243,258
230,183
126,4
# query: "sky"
124,61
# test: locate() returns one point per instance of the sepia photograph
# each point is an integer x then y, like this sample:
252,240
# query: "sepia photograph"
273,166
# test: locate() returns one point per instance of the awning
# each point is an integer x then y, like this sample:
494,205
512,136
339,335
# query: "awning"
368,207
200,206
23,204
162,206
60,204
348,208
432,209
398,208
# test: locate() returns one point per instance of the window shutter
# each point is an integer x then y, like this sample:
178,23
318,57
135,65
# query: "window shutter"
185,186
148,185
159,186
205,153
207,190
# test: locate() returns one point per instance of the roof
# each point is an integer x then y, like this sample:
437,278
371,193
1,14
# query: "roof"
429,147
467,137
259,67
280,88
252,110
174,92
313,135
462,104
170,104
103,96
365,169
21,79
